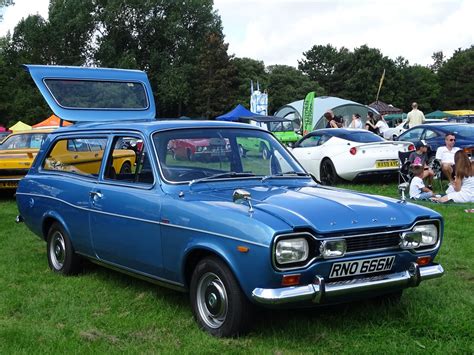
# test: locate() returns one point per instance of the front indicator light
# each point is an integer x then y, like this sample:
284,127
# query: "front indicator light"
429,233
333,248
410,240
291,251
290,280
423,260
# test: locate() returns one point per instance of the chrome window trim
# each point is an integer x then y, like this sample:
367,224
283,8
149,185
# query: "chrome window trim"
146,220
98,108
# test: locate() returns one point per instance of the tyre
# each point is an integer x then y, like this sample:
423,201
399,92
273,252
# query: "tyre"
189,154
241,151
126,168
328,175
218,304
265,152
61,255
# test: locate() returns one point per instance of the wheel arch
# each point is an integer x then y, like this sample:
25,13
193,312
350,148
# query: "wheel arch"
195,255
48,220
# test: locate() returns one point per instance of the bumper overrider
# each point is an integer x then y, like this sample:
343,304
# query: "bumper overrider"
320,291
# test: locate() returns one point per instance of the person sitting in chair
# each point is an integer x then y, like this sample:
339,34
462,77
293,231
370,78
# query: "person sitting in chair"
462,188
446,156
418,190
420,157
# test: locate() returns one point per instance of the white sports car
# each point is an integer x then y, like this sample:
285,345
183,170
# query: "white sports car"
350,154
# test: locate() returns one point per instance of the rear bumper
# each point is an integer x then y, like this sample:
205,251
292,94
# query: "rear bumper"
320,291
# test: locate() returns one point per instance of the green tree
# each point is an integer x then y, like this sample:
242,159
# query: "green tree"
438,61
213,80
456,79
287,84
419,84
323,64
248,70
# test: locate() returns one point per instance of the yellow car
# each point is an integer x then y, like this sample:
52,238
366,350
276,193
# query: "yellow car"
17,152
88,156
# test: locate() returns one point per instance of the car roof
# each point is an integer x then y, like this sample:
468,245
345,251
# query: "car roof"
338,132
149,126
32,131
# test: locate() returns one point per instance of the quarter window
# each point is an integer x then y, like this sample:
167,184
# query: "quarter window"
129,162
82,156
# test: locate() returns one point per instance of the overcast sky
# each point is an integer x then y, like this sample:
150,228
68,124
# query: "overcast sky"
279,31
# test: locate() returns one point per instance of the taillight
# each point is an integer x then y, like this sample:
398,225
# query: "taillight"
353,150
411,148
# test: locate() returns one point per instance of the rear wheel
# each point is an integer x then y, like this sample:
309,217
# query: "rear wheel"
126,168
61,255
328,175
219,305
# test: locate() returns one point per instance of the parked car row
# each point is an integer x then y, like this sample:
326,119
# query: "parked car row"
242,229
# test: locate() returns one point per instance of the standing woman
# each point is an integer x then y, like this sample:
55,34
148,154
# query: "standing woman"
462,188
370,123
381,125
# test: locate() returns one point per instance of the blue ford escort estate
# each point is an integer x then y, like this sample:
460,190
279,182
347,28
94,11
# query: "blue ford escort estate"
197,207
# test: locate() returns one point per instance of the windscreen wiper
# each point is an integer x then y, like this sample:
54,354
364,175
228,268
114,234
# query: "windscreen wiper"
285,174
230,174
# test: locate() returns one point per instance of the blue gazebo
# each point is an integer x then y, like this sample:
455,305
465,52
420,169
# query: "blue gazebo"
238,111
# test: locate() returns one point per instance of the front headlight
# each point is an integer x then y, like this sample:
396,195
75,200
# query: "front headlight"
291,251
429,234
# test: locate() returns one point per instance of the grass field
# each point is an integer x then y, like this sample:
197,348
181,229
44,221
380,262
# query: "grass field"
102,311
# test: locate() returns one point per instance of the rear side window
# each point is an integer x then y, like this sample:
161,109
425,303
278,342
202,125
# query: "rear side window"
81,156
129,162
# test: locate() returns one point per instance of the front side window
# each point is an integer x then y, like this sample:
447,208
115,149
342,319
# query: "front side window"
81,156
191,154
95,94
311,141
129,162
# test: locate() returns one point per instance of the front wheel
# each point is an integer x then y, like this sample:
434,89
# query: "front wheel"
61,255
328,175
219,306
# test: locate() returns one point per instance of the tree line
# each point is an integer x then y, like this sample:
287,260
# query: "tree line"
181,46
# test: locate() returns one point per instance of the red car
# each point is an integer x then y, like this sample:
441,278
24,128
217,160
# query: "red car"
199,149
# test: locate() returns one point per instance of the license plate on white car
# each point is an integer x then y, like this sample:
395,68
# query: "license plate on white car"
379,164
361,267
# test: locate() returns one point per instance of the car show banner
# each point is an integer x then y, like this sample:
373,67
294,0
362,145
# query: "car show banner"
258,100
307,119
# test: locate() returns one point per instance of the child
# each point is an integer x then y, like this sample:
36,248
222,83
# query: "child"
418,190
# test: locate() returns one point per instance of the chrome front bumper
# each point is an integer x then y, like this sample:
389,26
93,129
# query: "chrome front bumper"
321,290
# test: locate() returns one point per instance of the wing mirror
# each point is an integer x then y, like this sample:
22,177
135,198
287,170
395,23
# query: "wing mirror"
241,195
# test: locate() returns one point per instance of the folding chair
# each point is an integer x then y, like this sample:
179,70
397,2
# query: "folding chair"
435,165
404,171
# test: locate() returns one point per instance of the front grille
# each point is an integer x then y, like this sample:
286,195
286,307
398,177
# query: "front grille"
371,242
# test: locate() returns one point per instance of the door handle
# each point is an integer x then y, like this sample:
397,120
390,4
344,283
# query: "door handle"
96,195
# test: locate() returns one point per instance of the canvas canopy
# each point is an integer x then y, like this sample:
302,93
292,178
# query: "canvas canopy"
51,121
438,114
461,112
383,108
340,107
20,126
238,111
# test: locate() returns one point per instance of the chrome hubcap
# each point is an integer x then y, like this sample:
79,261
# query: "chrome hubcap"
212,300
57,250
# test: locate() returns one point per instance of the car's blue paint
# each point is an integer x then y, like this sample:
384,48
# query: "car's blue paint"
41,72
438,132
151,230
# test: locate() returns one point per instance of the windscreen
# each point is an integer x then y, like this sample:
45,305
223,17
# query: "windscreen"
24,141
93,94
190,154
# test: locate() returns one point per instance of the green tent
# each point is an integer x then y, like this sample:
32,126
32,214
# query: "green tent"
438,114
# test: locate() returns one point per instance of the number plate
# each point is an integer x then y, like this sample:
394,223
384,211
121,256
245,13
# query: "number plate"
386,164
8,184
361,267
